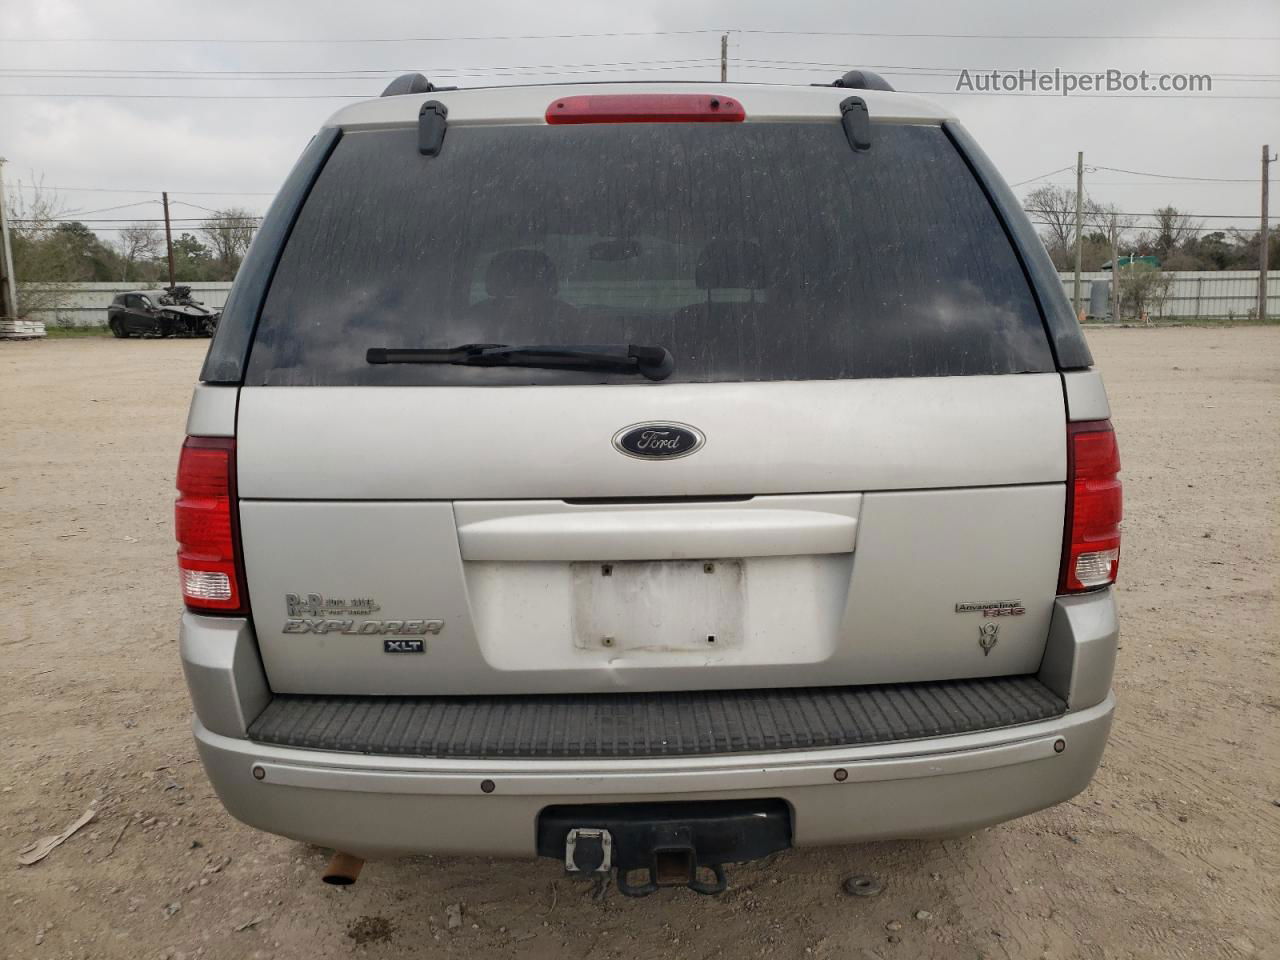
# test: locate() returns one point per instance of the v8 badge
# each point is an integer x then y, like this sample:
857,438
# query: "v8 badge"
987,637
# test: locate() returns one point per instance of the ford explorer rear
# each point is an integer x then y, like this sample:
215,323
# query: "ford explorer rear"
650,477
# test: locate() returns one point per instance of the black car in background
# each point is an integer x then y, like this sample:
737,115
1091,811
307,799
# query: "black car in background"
161,313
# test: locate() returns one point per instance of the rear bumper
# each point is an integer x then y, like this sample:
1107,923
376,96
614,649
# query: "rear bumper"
385,806
382,807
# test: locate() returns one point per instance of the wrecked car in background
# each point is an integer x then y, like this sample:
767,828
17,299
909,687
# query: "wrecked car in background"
171,312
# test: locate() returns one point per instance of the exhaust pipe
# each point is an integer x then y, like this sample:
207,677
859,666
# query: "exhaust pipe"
343,869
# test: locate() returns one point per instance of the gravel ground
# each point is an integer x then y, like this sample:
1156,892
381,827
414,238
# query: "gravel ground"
1172,852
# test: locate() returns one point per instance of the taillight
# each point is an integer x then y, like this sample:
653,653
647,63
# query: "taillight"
646,108
206,527
1091,544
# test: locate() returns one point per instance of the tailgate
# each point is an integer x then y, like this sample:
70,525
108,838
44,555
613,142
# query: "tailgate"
843,532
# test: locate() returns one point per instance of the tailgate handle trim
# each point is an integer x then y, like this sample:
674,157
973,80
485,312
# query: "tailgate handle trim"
656,535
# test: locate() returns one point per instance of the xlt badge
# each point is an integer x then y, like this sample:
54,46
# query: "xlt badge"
404,645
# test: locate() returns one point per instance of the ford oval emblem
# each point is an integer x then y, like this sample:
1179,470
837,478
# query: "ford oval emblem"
659,440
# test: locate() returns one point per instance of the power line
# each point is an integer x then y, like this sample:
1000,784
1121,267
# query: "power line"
1137,173
392,71
72,218
995,36
842,65
197,206
129,220
158,76
485,69
1197,216
37,187
1141,173
192,96
1132,184
1041,177
1089,96
1205,97
8,72
296,41
639,33
122,229
119,206
802,66
1228,228
1168,176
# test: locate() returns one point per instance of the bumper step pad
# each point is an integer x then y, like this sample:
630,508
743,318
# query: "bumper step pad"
634,725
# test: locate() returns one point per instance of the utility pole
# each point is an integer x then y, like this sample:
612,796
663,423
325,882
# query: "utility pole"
1079,226
168,238
1113,233
1265,244
8,284
724,57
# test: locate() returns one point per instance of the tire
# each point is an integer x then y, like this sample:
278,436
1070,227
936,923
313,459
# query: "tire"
117,328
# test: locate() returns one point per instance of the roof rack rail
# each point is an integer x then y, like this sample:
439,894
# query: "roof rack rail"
862,80
408,83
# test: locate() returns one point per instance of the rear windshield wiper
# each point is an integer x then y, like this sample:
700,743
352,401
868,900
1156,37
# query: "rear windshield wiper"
656,363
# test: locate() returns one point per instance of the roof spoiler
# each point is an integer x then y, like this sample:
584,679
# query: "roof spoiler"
408,83
859,80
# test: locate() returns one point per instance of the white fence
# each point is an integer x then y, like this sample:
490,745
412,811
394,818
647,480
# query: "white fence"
1199,294
85,304
1207,294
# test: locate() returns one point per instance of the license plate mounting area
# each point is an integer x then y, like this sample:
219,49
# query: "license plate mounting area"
659,605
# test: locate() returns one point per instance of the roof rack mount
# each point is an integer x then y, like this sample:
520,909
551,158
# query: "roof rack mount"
860,80
409,83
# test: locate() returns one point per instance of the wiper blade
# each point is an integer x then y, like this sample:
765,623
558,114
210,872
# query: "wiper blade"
655,363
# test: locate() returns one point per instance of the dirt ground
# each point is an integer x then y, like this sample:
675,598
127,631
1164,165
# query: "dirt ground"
1174,851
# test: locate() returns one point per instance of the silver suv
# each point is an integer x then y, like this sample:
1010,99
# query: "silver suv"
650,477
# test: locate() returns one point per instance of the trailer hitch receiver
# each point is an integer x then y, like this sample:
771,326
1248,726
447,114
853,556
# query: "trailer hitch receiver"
655,845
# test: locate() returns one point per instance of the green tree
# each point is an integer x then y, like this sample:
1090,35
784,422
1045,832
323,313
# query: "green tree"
1144,289
192,260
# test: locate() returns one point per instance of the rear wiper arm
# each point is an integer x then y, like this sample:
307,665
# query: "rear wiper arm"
655,363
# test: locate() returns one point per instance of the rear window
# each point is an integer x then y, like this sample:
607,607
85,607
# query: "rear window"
765,251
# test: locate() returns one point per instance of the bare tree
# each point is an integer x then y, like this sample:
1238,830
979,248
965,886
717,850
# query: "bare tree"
229,233
137,242
1054,210
1115,226
1173,229
38,263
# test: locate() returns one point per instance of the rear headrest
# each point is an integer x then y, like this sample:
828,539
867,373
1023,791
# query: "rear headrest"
731,263
521,273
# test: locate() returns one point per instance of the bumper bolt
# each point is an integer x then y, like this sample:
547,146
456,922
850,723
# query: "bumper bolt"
1059,745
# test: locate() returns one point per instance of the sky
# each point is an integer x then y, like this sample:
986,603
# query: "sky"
115,134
